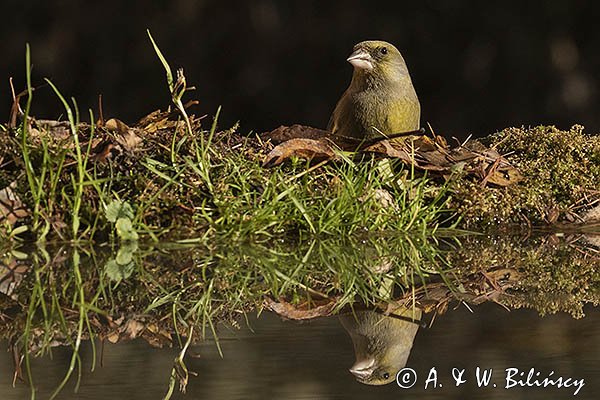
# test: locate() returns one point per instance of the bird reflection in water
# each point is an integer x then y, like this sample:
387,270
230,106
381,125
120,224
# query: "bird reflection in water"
382,343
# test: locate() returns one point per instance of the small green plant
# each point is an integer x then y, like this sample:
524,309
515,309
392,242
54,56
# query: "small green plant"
121,214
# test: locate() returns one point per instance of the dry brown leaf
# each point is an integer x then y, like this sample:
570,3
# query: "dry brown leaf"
133,328
11,207
116,125
462,154
102,151
113,337
156,337
393,150
310,149
154,121
424,143
130,141
437,159
285,133
429,160
125,135
160,120
420,151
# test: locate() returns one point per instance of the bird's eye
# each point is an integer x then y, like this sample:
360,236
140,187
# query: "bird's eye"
386,375
383,50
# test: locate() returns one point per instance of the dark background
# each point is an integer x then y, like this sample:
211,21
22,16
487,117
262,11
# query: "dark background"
477,66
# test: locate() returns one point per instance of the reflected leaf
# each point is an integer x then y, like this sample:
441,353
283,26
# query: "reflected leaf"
125,253
118,272
122,266
125,229
303,311
12,273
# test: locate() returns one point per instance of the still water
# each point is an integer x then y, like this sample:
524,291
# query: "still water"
275,359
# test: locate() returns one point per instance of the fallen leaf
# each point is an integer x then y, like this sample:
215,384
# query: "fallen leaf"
424,143
11,207
113,337
116,125
133,328
153,117
310,149
102,151
347,143
157,337
126,136
389,149
437,159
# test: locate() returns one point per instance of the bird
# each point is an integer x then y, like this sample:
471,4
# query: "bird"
381,99
382,343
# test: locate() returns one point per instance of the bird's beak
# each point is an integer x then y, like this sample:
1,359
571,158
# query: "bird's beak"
361,59
363,369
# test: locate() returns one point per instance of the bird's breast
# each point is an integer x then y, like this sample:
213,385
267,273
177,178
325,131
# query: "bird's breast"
378,114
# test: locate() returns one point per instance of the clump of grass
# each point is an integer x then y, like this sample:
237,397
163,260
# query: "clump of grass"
53,192
339,199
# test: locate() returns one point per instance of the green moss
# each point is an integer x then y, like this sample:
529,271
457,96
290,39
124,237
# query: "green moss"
561,177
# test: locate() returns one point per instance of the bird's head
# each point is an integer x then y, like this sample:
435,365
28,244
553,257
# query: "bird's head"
379,59
374,371
382,343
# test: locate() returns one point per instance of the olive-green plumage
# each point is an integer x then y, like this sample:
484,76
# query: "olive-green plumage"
381,99
382,343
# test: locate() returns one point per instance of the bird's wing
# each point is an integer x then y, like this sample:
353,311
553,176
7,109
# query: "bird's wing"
340,107
331,123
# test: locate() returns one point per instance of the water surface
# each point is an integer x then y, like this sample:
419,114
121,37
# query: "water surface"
291,360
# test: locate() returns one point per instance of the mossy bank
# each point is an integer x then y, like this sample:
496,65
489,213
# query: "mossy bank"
157,180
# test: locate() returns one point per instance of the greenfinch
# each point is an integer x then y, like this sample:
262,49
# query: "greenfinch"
382,343
381,99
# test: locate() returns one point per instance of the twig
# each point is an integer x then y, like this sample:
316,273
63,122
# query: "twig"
100,111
